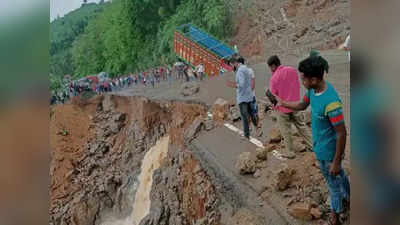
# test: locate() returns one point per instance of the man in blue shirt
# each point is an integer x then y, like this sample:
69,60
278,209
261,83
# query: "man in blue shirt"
328,130
244,93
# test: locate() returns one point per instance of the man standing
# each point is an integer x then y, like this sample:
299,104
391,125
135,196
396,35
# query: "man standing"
329,131
285,85
200,71
244,93
253,104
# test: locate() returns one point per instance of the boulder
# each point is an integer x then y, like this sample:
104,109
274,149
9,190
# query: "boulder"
283,178
209,124
301,211
298,145
234,114
220,110
261,153
246,163
316,213
275,135
190,88
257,174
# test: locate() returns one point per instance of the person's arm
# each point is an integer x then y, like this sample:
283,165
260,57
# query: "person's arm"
341,135
231,84
239,81
297,106
336,118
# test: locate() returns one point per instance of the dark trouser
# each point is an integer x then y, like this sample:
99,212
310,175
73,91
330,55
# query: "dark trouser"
245,113
186,77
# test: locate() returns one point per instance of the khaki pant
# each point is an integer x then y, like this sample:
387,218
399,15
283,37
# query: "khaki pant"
285,121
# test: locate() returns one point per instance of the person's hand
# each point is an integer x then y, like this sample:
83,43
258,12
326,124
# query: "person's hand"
334,168
280,102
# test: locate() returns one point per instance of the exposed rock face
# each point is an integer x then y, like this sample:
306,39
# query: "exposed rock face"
220,110
100,182
190,88
246,163
182,193
286,27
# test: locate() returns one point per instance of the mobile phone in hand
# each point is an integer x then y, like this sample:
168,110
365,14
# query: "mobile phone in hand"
271,98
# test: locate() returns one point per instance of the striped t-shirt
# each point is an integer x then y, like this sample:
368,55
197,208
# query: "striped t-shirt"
326,112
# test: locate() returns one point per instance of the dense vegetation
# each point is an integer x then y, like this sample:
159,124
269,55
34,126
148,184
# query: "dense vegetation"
129,35
64,31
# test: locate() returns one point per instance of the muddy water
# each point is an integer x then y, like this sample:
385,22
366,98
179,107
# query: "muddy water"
150,163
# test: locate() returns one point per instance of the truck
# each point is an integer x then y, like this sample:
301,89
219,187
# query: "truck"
195,46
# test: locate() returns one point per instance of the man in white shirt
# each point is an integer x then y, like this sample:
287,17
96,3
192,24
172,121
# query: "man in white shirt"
253,104
200,71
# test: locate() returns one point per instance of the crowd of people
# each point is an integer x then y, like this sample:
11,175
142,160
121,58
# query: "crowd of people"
148,78
328,139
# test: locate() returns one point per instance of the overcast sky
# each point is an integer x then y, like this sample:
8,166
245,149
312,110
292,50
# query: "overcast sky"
62,7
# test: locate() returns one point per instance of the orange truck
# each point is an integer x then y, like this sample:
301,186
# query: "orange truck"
194,46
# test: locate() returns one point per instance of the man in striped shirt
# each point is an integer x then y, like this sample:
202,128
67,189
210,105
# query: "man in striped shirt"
328,130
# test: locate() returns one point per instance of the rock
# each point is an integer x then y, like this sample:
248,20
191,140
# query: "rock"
194,128
220,110
179,122
301,32
261,153
275,135
298,145
257,174
284,178
245,163
301,211
234,114
190,88
316,213
317,197
247,217
209,124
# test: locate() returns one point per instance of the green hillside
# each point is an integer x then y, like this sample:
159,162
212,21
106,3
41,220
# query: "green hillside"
130,35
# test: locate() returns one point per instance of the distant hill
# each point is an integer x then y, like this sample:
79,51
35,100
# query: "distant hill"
64,31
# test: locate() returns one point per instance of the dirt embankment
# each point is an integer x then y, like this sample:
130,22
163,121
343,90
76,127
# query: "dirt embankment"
290,27
97,150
